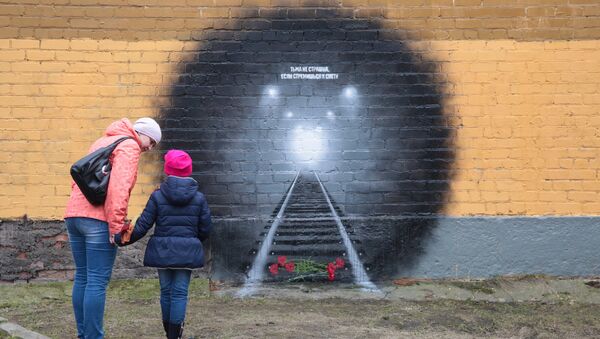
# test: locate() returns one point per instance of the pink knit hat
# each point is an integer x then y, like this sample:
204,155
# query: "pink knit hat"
178,163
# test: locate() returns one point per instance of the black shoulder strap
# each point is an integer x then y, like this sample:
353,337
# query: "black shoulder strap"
116,143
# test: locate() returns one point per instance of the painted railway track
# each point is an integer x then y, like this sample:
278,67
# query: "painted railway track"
307,226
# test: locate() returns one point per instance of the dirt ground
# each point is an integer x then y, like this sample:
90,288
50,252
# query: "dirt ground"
133,311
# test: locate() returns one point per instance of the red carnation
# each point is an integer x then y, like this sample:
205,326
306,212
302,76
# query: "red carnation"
339,263
274,269
290,266
331,271
281,260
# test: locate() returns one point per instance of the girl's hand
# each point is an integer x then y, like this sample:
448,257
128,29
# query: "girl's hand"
126,232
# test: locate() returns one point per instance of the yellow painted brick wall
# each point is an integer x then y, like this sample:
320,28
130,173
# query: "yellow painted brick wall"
524,90
58,96
528,141
185,19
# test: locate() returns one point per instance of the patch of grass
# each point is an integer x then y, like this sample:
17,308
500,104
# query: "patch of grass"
524,277
563,295
5,336
488,286
131,304
149,289
34,293
130,289
481,318
485,286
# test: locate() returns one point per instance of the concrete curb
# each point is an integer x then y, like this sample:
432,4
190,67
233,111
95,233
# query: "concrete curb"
17,331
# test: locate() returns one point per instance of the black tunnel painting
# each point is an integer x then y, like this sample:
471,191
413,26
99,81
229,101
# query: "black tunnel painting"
321,142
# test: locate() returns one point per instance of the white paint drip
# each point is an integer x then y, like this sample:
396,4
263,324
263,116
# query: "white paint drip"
255,275
360,275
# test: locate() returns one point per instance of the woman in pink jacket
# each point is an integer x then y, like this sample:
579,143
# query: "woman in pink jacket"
92,228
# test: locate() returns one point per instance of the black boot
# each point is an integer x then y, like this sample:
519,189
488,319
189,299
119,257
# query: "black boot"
175,331
166,327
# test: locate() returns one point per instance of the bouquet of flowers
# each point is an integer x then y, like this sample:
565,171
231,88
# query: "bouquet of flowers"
307,269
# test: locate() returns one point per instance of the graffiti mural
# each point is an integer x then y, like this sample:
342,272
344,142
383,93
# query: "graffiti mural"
321,144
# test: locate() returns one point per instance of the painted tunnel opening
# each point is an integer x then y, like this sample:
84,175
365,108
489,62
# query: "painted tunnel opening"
338,96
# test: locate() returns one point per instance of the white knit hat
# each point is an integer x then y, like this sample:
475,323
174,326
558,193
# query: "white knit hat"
148,127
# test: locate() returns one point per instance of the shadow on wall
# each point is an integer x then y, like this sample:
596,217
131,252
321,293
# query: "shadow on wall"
314,90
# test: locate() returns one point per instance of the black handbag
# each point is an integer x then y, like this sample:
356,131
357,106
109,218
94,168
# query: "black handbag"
92,173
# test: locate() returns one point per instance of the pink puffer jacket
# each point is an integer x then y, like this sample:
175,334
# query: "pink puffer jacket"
124,160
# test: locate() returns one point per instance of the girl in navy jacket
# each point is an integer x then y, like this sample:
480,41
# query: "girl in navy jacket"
182,220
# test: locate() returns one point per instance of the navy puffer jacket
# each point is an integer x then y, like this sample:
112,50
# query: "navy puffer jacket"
182,220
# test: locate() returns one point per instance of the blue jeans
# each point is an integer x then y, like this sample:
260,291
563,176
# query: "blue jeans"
174,285
94,257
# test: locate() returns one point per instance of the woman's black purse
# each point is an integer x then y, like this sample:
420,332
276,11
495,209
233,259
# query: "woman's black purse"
92,173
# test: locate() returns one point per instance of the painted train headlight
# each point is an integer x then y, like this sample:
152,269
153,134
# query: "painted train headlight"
307,143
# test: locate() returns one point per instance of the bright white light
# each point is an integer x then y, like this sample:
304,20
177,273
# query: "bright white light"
289,114
350,92
272,91
330,114
307,143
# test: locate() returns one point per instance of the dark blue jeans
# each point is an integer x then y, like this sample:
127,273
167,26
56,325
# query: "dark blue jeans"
174,285
94,257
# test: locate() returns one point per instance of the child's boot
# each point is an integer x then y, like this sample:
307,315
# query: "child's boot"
166,327
175,331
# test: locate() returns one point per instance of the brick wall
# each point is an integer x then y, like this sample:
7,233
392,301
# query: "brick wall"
519,82
40,250
185,19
